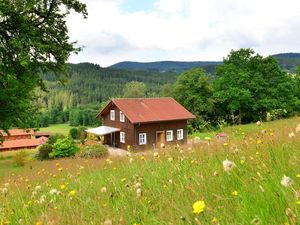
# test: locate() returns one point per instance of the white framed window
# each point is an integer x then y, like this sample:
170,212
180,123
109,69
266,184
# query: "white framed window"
112,114
122,116
122,137
179,134
169,135
142,138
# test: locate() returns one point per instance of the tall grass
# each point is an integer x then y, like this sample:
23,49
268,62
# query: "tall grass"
92,191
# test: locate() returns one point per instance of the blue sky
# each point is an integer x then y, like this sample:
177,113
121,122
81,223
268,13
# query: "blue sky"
185,30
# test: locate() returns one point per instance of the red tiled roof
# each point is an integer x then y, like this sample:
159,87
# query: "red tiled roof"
42,133
143,110
17,132
23,143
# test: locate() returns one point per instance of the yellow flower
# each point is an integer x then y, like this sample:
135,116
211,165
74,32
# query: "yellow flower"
123,179
225,144
81,167
72,193
271,134
258,141
26,180
242,161
60,169
235,193
298,202
142,158
38,223
198,207
57,164
298,175
62,186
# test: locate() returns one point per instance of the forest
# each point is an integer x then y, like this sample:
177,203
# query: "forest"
244,88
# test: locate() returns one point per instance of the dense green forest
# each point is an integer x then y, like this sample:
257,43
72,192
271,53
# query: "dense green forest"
88,87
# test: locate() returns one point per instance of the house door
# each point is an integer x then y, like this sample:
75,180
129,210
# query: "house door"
160,138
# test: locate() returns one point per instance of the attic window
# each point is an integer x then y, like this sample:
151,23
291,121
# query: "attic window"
112,114
122,116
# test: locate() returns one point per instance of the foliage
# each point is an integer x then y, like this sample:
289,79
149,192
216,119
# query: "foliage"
73,133
53,138
34,39
64,148
19,158
134,89
44,151
167,90
249,86
193,90
93,151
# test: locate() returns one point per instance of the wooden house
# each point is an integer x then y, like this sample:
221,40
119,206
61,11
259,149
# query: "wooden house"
143,123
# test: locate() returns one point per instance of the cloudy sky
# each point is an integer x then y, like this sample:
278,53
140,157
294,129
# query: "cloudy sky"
186,30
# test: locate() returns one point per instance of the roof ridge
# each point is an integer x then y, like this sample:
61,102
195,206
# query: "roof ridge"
142,98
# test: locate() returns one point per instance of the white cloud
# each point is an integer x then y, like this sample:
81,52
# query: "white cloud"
184,30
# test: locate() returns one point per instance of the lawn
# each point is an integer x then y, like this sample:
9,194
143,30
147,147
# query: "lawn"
58,128
161,187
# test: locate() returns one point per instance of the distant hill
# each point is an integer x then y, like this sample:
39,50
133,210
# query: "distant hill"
288,60
174,66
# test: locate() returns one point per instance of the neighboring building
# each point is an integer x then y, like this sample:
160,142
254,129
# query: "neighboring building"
17,139
17,134
143,123
22,144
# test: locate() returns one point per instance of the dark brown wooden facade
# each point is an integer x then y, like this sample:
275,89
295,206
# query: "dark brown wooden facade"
156,132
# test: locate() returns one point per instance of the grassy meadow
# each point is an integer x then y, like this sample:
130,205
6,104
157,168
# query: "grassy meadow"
161,187
62,128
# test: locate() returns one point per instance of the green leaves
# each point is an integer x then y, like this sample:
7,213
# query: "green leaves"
33,40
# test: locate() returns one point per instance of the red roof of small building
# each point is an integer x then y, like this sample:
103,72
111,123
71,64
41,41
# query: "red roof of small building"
144,110
23,143
17,132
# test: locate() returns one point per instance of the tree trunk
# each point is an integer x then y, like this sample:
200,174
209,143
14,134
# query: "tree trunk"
240,116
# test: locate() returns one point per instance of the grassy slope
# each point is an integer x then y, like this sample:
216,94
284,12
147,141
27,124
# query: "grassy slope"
169,187
58,128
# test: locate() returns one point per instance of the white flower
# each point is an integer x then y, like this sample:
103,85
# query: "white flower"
53,191
4,190
155,154
228,165
107,222
37,188
298,128
139,192
42,199
258,123
131,160
103,189
286,181
137,185
170,159
291,135
6,185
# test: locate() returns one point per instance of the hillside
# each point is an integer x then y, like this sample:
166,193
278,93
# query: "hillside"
287,61
175,66
252,178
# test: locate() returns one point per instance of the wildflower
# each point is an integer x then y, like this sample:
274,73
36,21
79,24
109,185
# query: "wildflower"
142,157
291,135
242,161
42,199
155,154
137,185
57,164
139,192
4,190
131,160
286,181
198,207
38,188
189,148
38,223
225,144
60,169
62,186
235,193
26,180
107,222
53,191
258,123
170,159
6,185
103,190
298,128
128,147
228,165
123,179
271,133
298,202
81,167
72,193
259,141
298,175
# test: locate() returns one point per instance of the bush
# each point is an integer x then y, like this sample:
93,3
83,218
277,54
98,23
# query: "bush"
93,151
44,151
64,148
20,158
53,138
73,133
